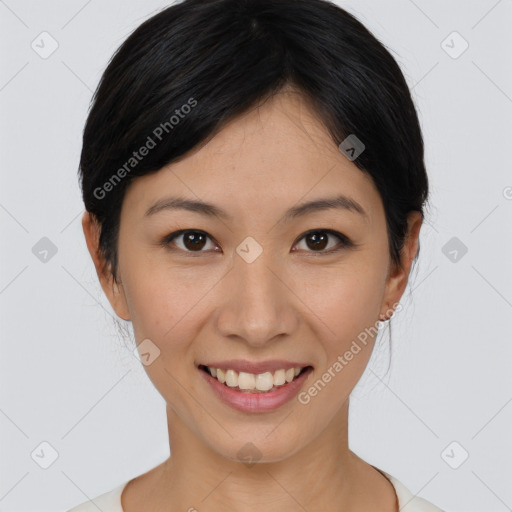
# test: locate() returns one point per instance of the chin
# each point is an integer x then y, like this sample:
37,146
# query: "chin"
258,448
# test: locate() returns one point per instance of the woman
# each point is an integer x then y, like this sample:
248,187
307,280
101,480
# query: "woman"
254,184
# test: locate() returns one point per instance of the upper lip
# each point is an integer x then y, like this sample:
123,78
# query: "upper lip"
243,365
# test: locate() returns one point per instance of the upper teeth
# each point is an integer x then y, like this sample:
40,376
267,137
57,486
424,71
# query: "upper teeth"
261,382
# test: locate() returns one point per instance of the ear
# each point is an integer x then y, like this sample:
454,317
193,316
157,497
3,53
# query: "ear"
398,276
114,291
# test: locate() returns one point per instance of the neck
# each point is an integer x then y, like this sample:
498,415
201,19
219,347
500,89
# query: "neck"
254,475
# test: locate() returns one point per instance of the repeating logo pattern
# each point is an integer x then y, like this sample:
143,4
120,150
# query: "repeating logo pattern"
40,451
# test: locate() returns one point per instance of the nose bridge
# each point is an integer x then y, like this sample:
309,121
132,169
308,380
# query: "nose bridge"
258,306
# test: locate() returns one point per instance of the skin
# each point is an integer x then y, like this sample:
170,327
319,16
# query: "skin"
304,305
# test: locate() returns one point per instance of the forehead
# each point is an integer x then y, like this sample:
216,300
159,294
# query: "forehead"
284,128
278,153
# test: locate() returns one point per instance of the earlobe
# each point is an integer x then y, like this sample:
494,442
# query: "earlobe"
399,275
114,291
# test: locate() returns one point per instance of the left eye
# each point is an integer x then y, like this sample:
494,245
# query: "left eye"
318,240
194,241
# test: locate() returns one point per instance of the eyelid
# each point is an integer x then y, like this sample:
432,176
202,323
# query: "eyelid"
343,241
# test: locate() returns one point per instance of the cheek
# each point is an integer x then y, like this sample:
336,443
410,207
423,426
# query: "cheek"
156,301
148,305
346,304
346,299
162,310
167,304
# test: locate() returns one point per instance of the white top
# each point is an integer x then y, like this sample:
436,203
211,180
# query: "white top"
111,501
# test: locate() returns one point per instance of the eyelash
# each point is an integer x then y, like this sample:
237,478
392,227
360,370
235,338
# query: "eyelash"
344,242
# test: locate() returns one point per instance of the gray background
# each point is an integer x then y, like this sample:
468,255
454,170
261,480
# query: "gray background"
69,379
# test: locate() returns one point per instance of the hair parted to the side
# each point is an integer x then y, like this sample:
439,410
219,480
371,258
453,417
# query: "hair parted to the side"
186,71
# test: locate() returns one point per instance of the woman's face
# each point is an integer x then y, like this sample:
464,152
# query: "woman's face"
252,285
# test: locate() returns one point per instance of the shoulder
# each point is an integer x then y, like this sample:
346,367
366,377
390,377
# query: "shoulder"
407,501
107,502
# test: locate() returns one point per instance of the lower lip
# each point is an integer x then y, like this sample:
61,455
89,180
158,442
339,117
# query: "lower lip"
256,402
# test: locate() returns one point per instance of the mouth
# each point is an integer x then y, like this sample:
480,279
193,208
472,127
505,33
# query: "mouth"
245,382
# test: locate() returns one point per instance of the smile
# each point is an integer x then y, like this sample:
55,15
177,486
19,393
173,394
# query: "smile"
255,393
250,382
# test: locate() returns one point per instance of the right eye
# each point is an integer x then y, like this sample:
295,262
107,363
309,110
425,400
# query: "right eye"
186,240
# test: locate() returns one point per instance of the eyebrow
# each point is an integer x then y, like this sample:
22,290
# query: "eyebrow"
179,203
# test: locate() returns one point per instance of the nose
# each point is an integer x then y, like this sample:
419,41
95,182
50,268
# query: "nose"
258,303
